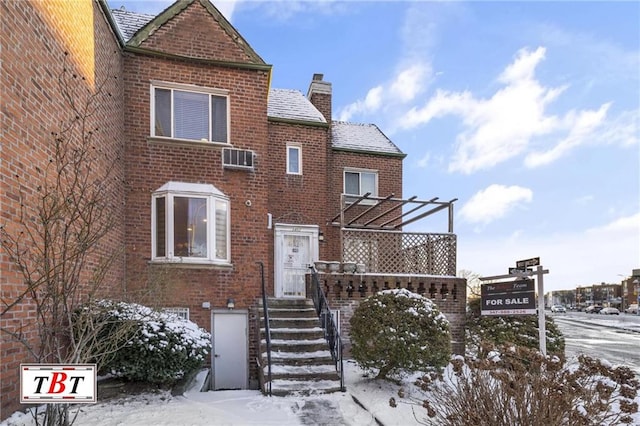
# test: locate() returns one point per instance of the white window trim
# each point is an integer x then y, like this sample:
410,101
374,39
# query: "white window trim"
158,84
179,311
299,148
191,190
359,171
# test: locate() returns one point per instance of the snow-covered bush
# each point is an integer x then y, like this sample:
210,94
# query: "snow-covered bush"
397,330
491,331
519,386
159,347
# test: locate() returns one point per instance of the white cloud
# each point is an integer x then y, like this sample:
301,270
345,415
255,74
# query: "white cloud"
523,67
413,73
408,83
494,202
289,10
503,126
497,128
629,224
581,126
585,199
424,162
371,103
573,258
622,130
403,87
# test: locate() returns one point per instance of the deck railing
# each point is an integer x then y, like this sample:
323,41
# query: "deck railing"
267,329
331,333
400,252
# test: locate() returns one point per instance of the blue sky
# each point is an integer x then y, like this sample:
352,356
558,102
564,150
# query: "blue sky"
527,112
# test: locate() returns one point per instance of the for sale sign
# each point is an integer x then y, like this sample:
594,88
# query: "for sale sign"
57,383
508,298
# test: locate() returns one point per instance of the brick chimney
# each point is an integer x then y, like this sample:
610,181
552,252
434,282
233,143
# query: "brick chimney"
320,95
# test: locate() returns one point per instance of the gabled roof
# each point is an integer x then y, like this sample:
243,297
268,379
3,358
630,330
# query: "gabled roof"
290,104
129,22
362,138
137,28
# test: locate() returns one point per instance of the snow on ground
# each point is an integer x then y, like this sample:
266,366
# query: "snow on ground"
247,407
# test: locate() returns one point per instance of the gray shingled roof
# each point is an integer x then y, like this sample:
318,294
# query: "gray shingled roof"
292,105
362,137
130,22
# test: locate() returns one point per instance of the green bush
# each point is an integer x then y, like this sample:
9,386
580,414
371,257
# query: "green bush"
158,347
397,330
492,331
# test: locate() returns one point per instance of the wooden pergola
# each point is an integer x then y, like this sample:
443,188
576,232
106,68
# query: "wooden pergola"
383,207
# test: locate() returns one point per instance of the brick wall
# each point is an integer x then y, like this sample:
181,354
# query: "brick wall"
152,162
34,38
345,291
299,199
389,181
195,34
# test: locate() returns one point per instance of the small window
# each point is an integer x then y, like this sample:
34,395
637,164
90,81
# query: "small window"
294,160
179,312
198,114
359,182
190,223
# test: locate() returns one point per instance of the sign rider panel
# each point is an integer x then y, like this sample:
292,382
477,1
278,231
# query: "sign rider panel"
508,298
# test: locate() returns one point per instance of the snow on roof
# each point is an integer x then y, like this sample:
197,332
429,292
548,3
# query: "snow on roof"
130,22
362,137
292,105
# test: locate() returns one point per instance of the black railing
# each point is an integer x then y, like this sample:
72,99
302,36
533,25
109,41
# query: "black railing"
267,329
328,324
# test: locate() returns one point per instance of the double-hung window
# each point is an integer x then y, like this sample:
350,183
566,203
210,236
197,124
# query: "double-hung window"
294,159
358,182
190,223
189,112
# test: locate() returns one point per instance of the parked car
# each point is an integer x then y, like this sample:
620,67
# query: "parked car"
593,309
558,308
609,311
632,309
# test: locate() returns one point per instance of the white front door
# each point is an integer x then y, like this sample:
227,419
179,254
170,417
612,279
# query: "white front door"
230,350
296,247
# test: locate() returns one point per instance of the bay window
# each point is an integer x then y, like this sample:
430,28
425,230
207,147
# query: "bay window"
190,223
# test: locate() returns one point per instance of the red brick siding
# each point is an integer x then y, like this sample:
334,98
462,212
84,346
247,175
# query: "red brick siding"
322,101
34,37
344,293
299,199
151,164
195,34
389,181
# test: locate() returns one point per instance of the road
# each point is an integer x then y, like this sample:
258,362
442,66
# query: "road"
594,335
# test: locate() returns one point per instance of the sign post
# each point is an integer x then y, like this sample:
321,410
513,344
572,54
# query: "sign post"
542,332
517,297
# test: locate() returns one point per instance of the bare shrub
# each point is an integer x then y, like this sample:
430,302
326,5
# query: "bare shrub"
518,386
59,245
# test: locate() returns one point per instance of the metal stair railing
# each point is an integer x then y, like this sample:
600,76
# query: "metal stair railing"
327,323
267,329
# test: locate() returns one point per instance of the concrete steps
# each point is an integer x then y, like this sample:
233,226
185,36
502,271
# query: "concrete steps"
301,363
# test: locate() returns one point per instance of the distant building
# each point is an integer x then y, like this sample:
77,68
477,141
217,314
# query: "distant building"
565,298
631,289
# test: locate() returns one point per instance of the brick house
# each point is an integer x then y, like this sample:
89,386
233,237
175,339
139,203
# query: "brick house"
219,172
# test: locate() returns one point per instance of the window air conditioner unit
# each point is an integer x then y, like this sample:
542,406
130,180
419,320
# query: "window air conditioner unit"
237,158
